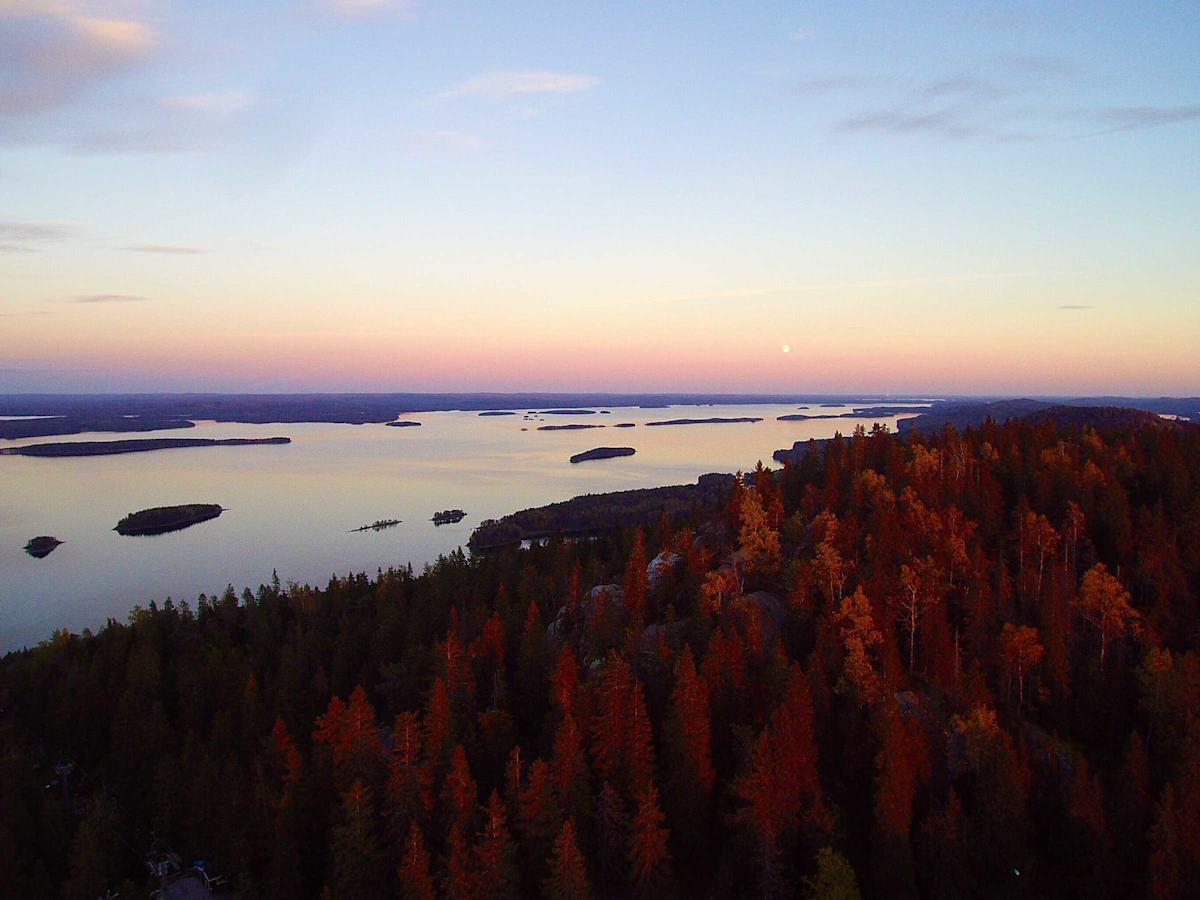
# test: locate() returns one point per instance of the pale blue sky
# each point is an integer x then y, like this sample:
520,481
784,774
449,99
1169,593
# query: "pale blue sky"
428,195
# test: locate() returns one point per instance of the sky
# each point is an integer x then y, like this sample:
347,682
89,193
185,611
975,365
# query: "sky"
419,195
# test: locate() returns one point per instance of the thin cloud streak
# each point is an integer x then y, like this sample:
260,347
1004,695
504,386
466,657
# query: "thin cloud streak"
26,231
164,249
105,298
500,85
365,7
819,287
458,141
219,102
29,237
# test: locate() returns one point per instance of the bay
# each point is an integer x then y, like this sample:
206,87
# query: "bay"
291,508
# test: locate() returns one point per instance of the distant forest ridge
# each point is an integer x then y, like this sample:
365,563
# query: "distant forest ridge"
137,412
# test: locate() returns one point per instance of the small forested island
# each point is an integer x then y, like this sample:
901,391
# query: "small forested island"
161,519
377,525
497,412
716,420
42,546
448,517
932,665
568,412
575,427
403,424
626,425
144,445
602,453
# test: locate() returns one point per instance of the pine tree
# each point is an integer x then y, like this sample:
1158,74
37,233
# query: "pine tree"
568,872
460,793
461,881
648,854
540,814
495,854
690,721
409,782
611,837
564,681
639,755
437,724
610,727
356,852
635,578
415,880
569,769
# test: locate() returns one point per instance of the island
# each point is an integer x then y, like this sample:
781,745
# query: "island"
577,427
626,425
145,445
377,525
712,421
568,412
403,424
497,412
161,519
602,453
42,546
448,517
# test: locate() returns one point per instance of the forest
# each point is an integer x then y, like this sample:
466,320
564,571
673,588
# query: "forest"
930,665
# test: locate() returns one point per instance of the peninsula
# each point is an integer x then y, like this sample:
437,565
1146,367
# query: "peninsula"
136,445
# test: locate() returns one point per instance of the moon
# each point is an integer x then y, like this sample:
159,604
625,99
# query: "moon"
787,349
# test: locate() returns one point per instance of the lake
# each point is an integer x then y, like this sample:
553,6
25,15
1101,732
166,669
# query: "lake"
291,508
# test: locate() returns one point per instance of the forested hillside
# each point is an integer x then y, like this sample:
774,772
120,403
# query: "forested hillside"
945,665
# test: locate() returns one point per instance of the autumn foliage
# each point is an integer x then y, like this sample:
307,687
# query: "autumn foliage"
958,665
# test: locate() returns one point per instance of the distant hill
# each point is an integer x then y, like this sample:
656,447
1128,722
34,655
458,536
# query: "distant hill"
971,415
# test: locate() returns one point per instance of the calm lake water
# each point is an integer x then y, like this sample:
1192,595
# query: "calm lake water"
291,508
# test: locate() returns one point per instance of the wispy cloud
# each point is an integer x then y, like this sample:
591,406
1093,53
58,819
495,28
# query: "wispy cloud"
51,51
177,249
803,34
220,102
521,83
362,7
27,236
950,123
105,298
1125,118
1075,306
815,287
827,84
1011,99
458,141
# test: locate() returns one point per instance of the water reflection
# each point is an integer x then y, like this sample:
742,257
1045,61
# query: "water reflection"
292,508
